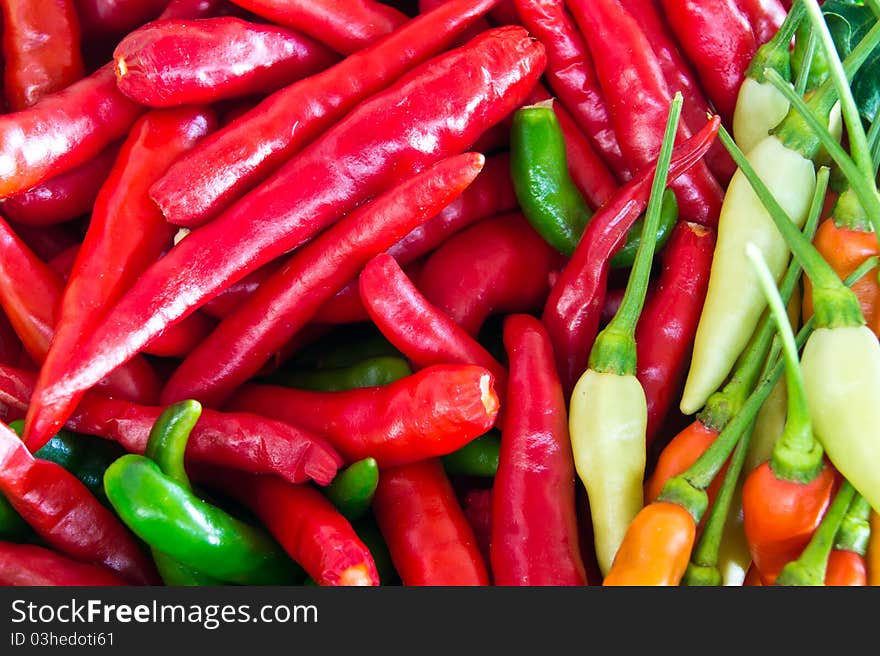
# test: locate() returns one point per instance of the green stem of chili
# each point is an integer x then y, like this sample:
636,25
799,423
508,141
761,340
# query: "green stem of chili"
803,77
834,304
809,568
855,529
776,52
168,438
614,350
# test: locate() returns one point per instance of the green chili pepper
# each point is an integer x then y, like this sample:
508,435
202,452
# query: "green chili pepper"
625,257
344,346
539,169
370,372
176,574
157,503
478,457
352,490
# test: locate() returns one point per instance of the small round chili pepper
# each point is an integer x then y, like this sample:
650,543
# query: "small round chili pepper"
425,528
431,413
846,562
34,565
369,372
224,57
608,412
352,490
41,50
534,539
476,458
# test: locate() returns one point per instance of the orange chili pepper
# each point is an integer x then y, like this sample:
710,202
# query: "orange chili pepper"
872,555
845,568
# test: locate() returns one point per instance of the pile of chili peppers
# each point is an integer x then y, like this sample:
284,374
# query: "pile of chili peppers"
437,293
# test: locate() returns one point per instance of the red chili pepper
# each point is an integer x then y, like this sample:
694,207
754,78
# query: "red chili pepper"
572,77
668,323
32,565
179,340
490,193
62,263
427,533
63,130
30,293
846,568
424,334
534,520
66,196
224,304
197,188
680,76
344,26
765,17
126,233
190,9
288,300
574,304
477,506
638,103
41,50
498,265
225,57
48,242
115,17
309,528
718,39
490,76
65,514
479,26
236,440
10,345
429,413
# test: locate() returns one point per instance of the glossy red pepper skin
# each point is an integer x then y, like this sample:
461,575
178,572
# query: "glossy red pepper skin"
237,440
490,76
30,293
41,49
179,340
680,76
63,130
498,265
33,565
718,39
307,526
639,103
424,334
64,197
344,26
846,568
126,234
108,18
257,143
288,300
572,76
65,514
574,305
176,62
668,323
765,17
429,413
224,304
425,528
534,519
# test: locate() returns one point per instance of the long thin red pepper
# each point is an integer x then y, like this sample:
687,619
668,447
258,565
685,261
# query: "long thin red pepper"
33,565
344,26
126,232
288,300
427,533
196,189
488,77
498,265
574,304
668,323
534,519
638,102
572,77
429,413
65,514
64,197
718,39
30,294
765,17
41,49
309,528
236,440
63,130
225,57
424,334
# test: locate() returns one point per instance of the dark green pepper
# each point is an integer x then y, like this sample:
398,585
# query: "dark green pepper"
344,346
625,257
478,457
370,372
352,490
546,193
161,508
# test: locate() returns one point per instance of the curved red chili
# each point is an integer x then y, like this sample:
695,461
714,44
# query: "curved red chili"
33,565
534,519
